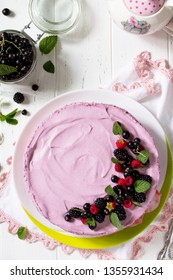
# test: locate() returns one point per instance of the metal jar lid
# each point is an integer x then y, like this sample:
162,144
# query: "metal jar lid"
54,16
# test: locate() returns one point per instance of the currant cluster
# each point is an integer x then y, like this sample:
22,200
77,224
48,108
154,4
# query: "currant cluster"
16,51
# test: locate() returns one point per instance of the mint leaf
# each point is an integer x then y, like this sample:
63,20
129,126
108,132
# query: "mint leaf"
143,156
22,232
47,44
2,117
109,190
49,67
115,220
12,113
117,129
11,121
91,221
136,203
114,160
141,186
6,69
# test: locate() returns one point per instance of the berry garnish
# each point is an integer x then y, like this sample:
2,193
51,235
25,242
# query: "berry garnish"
118,167
128,181
121,213
74,212
135,174
35,87
114,179
83,220
121,182
109,198
130,144
94,209
86,206
121,144
127,203
137,140
121,154
119,200
145,178
99,217
110,206
135,164
106,211
67,218
6,12
126,135
18,97
100,203
139,197
24,112
92,227
85,215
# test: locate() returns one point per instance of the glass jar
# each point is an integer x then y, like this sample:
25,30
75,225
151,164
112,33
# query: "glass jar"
54,16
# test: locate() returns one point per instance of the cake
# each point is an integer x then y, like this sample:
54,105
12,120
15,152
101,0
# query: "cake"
91,169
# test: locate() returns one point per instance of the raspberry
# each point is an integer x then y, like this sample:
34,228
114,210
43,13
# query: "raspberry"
18,97
145,178
100,203
121,182
127,203
121,144
139,197
118,167
74,212
128,181
94,209
121,154
99,218
135,163
84,221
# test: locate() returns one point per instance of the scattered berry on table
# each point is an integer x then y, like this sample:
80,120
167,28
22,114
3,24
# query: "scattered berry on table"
35,87
100,203
118,167
6,12
135,164
121,144
139,197
18,97
24,112
74,212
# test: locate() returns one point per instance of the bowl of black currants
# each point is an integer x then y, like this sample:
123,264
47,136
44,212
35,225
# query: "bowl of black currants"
17,56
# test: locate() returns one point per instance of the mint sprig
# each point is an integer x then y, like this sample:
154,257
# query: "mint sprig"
9,118
22,232
117,129
143,156
141,186
47,44
91,221
109,190
115,220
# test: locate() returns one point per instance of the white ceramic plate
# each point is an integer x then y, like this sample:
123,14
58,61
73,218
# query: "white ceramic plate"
98,96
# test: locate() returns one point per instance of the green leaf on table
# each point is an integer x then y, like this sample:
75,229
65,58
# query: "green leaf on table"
22,232
141,186
12,113
2,117
109,190
49,67
115,220
47,44
6,69
143,156
117,129
11,121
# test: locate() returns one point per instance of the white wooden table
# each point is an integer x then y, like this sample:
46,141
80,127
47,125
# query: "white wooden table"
85,58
